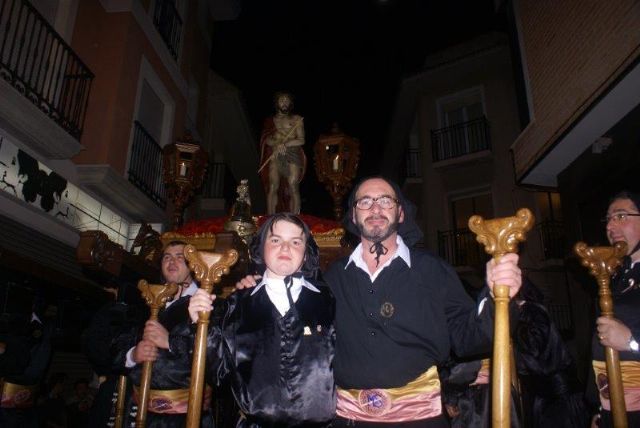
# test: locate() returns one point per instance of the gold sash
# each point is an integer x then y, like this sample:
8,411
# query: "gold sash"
173,401
15,396
418,399
630,382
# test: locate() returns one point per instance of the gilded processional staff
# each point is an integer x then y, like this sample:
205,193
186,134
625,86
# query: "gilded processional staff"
282,156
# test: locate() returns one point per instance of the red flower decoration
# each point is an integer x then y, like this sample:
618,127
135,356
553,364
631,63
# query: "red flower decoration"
216,225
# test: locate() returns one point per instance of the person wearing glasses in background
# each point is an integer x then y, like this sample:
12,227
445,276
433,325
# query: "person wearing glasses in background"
623,332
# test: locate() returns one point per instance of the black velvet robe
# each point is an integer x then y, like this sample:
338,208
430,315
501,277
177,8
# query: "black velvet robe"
280,367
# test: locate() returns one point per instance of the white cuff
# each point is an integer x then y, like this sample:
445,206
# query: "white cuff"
130,363
481,305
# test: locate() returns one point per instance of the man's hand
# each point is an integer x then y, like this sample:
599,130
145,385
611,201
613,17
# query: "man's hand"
155,333
248,282
144,351
613,333
505,271
200,302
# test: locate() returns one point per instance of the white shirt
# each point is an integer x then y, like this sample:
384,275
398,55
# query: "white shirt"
277,291
357,258
402,251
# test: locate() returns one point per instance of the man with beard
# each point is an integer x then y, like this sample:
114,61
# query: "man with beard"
282,156
399,313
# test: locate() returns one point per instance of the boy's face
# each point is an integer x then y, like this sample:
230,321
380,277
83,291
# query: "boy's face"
284,249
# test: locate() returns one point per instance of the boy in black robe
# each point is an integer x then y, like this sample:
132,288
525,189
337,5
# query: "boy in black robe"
276,341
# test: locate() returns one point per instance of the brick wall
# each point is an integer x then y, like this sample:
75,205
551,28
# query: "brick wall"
574,51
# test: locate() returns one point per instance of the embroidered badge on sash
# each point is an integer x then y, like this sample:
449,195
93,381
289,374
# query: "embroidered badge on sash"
160,404
374,402
386,310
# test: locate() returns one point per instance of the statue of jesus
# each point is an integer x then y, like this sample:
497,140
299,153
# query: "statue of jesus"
282,156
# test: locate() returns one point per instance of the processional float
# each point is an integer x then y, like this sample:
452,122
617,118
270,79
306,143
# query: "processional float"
501,236
602,263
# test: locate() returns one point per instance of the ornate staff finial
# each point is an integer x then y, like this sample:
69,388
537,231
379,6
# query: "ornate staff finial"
602,262
499,237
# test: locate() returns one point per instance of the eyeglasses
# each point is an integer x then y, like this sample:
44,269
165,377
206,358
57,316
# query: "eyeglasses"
619,217
385,202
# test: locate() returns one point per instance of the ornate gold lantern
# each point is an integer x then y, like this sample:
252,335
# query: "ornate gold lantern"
185,163
336,159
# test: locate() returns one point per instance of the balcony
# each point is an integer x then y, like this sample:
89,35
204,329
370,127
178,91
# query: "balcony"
145,166
460,248
460,140
46,84
141,196
169,24
552,238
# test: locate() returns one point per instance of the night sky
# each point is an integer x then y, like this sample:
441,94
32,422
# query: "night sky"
342,59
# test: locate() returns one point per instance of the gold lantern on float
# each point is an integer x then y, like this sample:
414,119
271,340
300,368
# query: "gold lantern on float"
336,159
185,163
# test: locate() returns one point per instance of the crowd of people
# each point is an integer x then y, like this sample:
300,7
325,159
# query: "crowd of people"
386,337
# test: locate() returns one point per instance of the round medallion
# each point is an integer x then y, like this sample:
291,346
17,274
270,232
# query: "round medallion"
160,404
374,402
386,310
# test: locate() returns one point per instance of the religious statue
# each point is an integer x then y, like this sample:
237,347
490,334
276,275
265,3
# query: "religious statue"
282,159
240,219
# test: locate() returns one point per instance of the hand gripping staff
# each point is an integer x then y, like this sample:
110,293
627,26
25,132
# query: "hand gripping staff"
602,263
208,268
155,295
501,236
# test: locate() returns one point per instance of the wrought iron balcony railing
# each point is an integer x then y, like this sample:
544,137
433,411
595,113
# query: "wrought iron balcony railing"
552,237
39,64
145,165
169,24
460,139
460,248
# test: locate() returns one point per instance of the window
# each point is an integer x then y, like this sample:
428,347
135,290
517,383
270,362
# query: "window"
463,128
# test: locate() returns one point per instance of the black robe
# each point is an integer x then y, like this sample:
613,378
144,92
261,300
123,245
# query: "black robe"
172,369
112,320
25,362
279,367
625,290
551,393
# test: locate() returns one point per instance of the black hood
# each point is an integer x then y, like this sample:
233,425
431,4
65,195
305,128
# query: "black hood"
408,229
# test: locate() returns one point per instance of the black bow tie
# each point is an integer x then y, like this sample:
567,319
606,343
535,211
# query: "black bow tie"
379,250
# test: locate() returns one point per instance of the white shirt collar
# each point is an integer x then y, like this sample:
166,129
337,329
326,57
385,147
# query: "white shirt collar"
402,251
277,291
